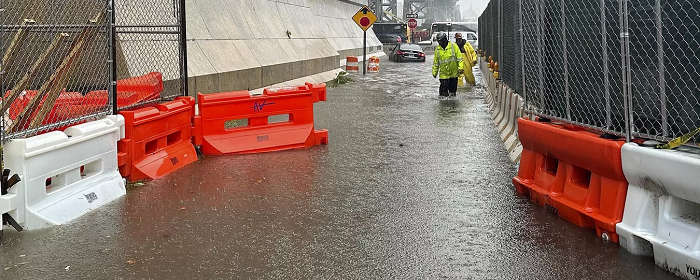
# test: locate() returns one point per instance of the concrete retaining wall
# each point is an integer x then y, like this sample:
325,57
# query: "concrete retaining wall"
243,44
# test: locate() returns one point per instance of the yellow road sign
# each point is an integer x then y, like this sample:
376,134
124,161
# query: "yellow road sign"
364,18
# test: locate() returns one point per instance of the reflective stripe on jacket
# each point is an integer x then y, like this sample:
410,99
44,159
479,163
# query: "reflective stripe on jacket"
447,61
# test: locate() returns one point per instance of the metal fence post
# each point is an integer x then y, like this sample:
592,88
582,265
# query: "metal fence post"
183,49
630,100
2,122
500,33
111,31
606,74
626,71
522,52
567,95
662,68
539,55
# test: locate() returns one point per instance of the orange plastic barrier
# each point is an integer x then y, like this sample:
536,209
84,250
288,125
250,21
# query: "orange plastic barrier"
60,109
100,98
351,64
574,173
157,140
147,87
70,105
130,92
278,119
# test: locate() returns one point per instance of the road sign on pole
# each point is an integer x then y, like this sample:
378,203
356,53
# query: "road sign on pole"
412,23
364,19
411,15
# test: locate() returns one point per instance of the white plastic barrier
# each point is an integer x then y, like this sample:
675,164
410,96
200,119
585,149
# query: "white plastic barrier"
507,109
493,106
509,132
662,210
516,152
489,98
493,84
500,105
64,175
488,78
485,71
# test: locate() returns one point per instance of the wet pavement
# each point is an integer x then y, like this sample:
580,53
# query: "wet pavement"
409,187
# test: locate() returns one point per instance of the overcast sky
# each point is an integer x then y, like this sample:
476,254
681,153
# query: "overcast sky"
479,5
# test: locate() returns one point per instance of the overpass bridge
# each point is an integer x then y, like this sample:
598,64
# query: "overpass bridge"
428,11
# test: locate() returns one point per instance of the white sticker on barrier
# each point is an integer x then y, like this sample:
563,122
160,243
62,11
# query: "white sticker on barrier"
64,175
662,208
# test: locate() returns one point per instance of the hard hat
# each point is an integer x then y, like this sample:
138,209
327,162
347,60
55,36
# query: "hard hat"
441,36
458,35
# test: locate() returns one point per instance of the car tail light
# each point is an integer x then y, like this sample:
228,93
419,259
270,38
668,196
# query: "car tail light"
400,53
421,54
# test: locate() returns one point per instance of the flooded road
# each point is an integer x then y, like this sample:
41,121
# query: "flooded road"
409,187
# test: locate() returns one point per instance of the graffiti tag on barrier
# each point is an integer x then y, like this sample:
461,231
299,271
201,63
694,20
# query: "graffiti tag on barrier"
258,106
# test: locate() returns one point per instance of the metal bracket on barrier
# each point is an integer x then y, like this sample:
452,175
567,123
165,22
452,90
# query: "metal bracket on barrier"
6,182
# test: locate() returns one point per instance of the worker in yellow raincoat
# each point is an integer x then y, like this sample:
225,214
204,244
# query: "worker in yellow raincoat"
447,62
468,59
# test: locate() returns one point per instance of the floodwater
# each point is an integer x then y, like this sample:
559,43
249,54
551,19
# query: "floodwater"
409,187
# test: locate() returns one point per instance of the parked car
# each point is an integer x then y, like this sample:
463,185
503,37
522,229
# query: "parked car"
389,39
407,52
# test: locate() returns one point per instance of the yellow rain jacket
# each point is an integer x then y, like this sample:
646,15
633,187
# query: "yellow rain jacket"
447,61
469,60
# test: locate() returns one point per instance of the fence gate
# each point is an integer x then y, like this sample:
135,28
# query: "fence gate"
149,36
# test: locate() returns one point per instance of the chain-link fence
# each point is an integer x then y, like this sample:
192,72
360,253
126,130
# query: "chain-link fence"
53,51
149,47
488,26
57,65
664,56
573,57
510,62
